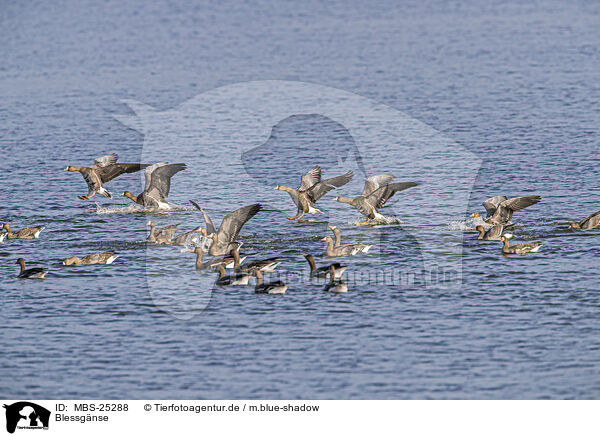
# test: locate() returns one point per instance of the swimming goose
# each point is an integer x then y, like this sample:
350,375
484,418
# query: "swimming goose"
224,238
263,265
277,287
493,234
376,192
500,209
239,279
26,233
338,235
361,248
226,261
104,169
311,189
334,284
163,235
530,247
589,222
31,273
107,258
344,250
324,271
158,184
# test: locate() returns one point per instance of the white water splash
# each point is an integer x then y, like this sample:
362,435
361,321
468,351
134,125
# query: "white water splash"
134,208
468,224
383,221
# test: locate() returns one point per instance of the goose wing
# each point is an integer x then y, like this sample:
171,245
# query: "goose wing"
104,161
160,179
374,182
592,221
167,232
310,178
234,221
381,195
109,172
210,227
324,186
491,204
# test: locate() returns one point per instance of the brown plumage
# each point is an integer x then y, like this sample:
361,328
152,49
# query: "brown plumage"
25,233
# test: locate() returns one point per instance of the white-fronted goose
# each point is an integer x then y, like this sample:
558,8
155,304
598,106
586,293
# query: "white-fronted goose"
344,250
311,189
162,235
226,261
158,184
277,287
224,238
589,222
107,258
376,192
31,273
324,271
530,247
500,209
361,248
103,170
263,265
493,234
238,279
26,233
334,284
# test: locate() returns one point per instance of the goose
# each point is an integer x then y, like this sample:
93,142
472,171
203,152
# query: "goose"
238,279
344,250
262,265
31,273
335,285
589,222
277,287
107,258
163,235
182,238
530,247
361,248
376,192
500,209
158,184
226,261
26,233
324,271
224,238
311,189
103,170
493,234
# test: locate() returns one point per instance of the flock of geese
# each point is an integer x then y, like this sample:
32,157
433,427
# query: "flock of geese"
222,245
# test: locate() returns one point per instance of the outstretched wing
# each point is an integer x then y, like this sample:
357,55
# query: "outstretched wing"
491,204
324,186
593,217
375,182
381,195
160,179
518,203
310,178
104,161
111,171
234,221
167,232
210,227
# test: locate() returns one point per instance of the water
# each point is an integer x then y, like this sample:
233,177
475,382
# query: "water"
516,85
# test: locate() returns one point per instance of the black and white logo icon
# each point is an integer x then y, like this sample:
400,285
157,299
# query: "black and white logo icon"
26,415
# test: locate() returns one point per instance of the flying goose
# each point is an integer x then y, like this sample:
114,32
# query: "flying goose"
324,271
500,209
163,235
493,234
158,184
376,192
589,222
240,279
311,189
344,250
334,284
26,233
31,273
277,287
103,170
107,258
530,247
224,238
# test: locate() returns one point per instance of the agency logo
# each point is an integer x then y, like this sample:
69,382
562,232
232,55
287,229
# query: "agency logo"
26,415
